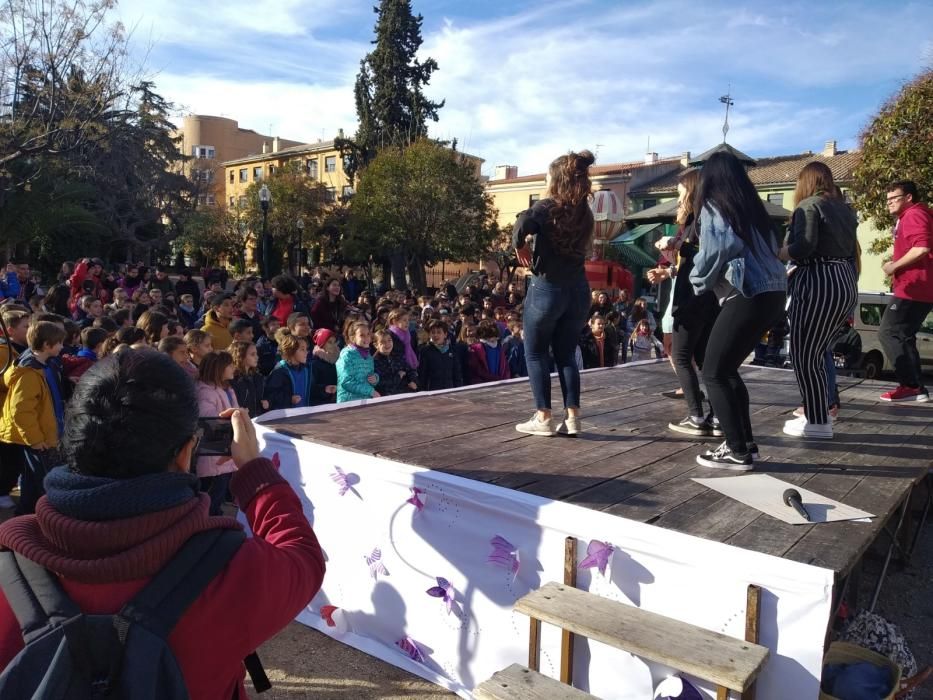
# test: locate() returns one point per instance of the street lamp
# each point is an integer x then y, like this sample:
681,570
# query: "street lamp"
264,199
301,227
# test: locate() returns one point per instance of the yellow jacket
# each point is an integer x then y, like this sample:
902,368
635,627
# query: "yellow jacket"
28,416
218,332
5,350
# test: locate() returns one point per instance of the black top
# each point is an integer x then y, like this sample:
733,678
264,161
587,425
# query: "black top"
823,227
685,300
546,261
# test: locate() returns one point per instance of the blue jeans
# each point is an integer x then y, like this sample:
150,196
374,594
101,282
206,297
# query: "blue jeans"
554,316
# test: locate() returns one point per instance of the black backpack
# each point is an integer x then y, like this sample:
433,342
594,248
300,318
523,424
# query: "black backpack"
73,656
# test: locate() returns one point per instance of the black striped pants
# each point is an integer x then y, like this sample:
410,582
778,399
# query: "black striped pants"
822,293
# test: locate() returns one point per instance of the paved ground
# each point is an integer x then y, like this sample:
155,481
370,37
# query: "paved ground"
306,664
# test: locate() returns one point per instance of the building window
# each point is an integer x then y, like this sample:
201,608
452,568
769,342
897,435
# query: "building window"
244,174
648,203
330,194
311,168
211,201
231,177
232,201
203,152
257,172
202,176
532,198
242,201
271,170
776,198
347,192
330,164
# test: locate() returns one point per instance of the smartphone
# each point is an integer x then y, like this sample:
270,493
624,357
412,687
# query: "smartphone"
216,438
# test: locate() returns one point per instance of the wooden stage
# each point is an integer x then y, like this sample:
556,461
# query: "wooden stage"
628,463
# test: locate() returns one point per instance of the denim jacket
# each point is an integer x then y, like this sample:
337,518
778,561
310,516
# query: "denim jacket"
724,260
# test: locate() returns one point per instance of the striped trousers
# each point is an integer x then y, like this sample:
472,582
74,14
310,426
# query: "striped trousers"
822,293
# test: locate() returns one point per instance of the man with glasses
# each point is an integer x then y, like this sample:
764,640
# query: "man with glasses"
911,270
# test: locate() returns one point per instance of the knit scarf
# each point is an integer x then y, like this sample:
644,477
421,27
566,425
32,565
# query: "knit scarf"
405,337
101,498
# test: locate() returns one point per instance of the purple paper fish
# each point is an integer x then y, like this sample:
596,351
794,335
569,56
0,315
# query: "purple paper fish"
376,566
416,498
504,554
411,649
597,554
444,590
340,478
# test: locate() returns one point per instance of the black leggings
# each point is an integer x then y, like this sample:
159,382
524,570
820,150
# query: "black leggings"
740,325
692,327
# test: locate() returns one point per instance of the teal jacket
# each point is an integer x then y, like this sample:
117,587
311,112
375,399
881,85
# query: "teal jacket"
353,371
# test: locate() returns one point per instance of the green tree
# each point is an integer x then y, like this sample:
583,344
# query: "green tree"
215,234
294,196
897,145
420,205
389,90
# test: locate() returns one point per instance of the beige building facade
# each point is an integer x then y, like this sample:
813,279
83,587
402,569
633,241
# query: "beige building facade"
209,141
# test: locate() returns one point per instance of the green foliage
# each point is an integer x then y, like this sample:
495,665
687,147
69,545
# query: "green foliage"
215,233
424,202
389,90
897,145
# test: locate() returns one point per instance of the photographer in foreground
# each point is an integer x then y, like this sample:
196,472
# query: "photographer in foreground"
126,509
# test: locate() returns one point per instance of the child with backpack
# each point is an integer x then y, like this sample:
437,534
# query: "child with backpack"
440,368
395,376
289,383
214,397
34,411
356,376
324,367
248,384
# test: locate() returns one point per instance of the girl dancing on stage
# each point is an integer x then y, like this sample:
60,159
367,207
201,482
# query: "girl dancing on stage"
823,289
551,239
738,261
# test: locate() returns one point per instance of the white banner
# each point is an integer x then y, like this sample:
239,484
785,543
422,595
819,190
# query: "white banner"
423,569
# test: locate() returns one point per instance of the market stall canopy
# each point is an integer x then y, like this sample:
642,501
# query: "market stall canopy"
666,212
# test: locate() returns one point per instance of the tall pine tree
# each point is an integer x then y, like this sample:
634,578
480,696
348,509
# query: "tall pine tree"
389,90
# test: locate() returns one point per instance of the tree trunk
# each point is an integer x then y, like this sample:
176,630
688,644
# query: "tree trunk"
398,272
419,282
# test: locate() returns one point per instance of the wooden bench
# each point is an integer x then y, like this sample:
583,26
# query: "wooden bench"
519,683
729,663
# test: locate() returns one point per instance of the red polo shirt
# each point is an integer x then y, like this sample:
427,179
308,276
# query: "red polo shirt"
914,229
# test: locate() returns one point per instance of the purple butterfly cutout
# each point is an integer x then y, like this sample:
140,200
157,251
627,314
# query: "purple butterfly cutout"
411,649
416,498
376,566
444,590
504,554
342,479
597,554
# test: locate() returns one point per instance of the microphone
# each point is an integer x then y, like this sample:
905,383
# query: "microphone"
792,499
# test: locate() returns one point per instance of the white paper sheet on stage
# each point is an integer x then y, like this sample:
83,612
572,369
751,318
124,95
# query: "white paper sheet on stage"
765,493
423,569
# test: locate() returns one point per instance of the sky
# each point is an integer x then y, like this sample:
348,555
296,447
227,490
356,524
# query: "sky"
527,81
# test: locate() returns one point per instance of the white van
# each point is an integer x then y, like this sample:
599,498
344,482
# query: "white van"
871,306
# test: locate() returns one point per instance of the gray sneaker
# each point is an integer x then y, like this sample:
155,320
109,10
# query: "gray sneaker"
537,427
571,425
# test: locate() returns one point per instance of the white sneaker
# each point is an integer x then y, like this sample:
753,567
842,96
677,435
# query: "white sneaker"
6,502
537,427
571,425
799,427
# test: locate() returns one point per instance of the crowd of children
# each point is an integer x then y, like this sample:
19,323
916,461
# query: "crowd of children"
265,345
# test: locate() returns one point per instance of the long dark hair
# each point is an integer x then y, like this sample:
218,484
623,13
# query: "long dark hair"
725,184
570,190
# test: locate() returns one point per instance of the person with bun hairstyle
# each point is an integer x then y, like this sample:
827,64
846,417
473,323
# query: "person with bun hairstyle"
324,367
289,383
551,239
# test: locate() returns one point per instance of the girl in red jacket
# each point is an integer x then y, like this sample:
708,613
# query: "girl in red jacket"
486,359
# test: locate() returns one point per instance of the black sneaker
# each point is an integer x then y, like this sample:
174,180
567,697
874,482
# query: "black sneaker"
753,451
714,425
673,394
692,426
724,458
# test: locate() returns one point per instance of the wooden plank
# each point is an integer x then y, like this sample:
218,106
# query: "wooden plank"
723,660
752,620
566,636
519,683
